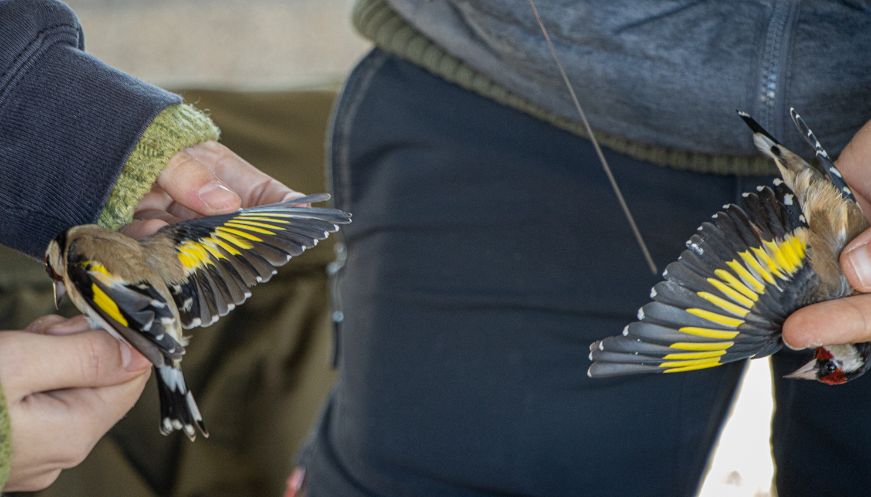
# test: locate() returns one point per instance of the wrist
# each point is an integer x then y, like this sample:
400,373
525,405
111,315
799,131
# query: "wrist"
172,130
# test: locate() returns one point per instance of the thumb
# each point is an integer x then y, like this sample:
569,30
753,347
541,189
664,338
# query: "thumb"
856,262
194,185
854,162
31,363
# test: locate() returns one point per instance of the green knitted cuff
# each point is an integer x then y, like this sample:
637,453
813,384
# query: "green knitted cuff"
5,442
174,129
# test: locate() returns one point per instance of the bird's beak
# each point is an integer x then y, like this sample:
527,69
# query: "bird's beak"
59,292
806,372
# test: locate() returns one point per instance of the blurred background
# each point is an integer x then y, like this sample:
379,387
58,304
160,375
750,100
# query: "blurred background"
256,64
259,44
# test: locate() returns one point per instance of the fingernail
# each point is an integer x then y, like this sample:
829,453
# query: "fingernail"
131,362
218,197
809,344
791,346
126,355
39,323
63,329
860,259
294,195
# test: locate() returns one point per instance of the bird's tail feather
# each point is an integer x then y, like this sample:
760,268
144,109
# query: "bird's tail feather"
178,409
786,160
826,164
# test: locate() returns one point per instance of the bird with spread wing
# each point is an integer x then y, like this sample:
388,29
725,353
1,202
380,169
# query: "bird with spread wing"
186,275
745,271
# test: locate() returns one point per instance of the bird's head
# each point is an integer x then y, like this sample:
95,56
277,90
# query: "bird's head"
836,364
55,266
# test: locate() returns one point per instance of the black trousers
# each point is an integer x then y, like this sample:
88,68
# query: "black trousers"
487,252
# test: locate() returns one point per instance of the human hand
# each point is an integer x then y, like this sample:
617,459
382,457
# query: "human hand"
204,180
846,320
65,386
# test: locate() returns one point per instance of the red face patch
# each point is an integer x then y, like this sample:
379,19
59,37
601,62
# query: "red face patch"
823,354
836,378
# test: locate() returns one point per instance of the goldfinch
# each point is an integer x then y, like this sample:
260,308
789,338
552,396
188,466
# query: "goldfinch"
726,297
186,275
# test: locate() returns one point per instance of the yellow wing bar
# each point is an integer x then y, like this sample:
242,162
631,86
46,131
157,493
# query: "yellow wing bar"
744,281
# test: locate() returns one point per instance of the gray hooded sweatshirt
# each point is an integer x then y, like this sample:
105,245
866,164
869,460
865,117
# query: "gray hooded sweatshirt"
671,73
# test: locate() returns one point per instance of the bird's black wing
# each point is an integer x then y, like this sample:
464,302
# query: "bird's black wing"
135,311
727,295
223,256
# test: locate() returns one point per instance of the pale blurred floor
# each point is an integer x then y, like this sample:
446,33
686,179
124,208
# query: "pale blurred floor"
742,464
259,44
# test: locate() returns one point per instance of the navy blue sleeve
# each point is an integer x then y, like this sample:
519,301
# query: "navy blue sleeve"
67,123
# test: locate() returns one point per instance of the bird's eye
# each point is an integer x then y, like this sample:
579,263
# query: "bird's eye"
828,368
51,272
